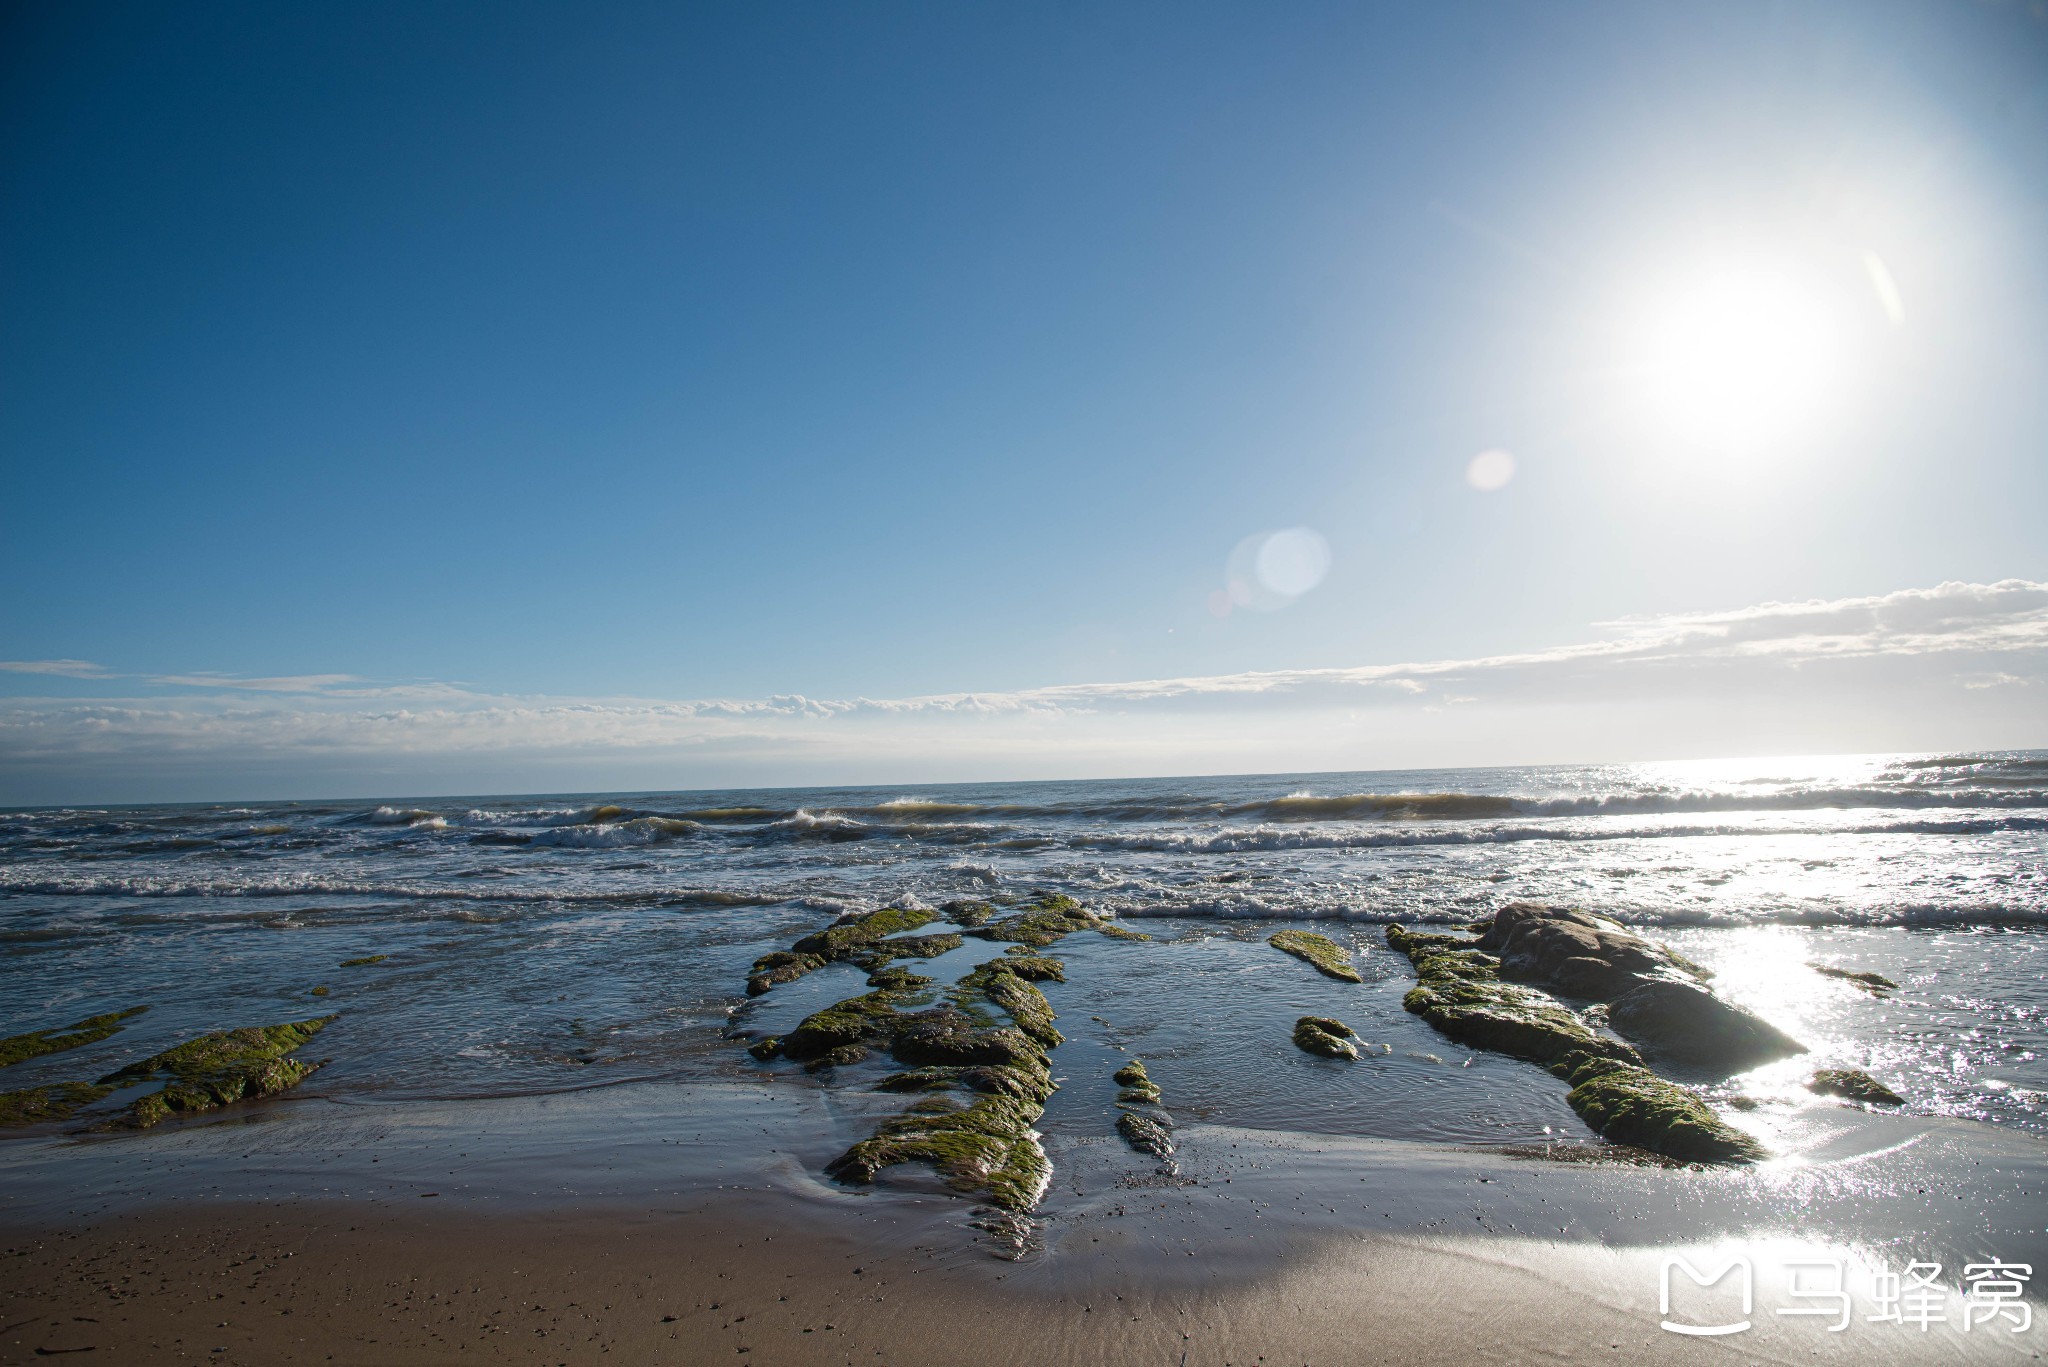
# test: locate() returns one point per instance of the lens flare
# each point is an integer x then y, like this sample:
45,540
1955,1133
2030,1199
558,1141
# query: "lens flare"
1490,470
1268,571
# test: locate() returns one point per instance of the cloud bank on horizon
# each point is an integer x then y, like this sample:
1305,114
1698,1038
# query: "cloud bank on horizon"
1952,666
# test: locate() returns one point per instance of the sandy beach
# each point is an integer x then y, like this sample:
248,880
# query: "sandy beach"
663,1224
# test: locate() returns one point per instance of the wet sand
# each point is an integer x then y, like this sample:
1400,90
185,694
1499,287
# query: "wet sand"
676,1224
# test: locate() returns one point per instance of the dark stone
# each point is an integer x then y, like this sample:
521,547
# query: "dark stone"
1577,952
1855,1084
1145,1134
1689,1023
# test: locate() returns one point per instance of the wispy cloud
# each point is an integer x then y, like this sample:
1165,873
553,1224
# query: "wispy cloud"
67,669
1943,654
287,683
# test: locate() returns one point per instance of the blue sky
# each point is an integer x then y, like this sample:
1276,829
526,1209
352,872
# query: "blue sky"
487,366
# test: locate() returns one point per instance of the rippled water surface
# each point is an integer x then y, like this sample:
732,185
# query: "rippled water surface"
543,943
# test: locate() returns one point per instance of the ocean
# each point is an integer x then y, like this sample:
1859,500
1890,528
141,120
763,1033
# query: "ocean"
542,944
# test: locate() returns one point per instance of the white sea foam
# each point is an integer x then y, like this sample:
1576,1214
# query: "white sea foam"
645,830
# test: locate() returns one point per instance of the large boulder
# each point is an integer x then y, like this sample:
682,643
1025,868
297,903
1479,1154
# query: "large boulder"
1576,952
1458,990
1686,1022
1657,997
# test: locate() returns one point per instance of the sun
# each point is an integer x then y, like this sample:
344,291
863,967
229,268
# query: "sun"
1740,356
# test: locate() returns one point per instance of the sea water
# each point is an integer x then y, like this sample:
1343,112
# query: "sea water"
538,944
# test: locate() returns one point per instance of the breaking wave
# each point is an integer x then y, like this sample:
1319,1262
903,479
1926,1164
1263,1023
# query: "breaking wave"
1233,841
176,884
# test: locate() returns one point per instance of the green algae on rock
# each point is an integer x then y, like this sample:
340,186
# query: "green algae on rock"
1000,983
1050,919
870,1018
882,952
863,939
1326,1036
1876,984
852,933
781,966
1033,967
1328,957
1029,1080
1632,1105
1459,991
966,913
988,1146
896,978
216,1069
1138,1087
91,1030
1854,1084
365,961
56,1101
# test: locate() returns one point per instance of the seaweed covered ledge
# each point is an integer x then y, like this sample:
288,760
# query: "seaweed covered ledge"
978,1059
1463,990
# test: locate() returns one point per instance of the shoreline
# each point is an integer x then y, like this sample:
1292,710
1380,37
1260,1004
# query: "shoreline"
428,1233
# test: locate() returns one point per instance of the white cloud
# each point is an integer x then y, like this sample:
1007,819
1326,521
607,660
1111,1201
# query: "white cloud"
287,683
68,669
1774,674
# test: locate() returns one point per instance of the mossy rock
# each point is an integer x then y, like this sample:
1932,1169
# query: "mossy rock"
843,1056
882,952
1028,1081
782,966
1327,955
998,982
946,1036
1326,1036
91,1030
898,979
863,939
365,961
1050,919
1459,992
857,932
1138,1088
1018,959
766,1049
215,1070
987,1147
857,1019
967,913
1632,1105
1146,1134
1854,1084
1414,942
56,1101
921,1080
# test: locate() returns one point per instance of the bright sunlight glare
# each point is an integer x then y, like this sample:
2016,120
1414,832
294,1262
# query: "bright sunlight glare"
1741,356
